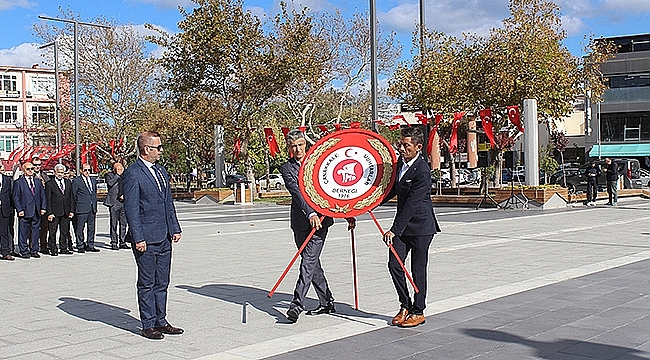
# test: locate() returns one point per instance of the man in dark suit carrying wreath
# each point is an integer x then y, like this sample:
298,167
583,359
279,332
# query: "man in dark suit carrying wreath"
413,227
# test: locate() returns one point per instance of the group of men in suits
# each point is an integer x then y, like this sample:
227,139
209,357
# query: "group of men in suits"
44,206
411,232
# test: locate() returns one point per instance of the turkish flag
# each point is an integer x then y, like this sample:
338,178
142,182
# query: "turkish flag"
432,133
355,125
92,149
285,131
270,139
486,121
84,152
301,128
423,118
453,142
112,144
337,127
401,118
513,115
236,148
323,128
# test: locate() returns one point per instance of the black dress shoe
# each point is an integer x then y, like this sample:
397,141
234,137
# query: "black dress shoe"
54,253
65,252
152,333
92,249
168,329
24,256
36,255
327,309
114,247
125,246
81,251
292,314
45,252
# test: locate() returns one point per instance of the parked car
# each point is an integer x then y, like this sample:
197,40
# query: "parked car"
235,179
628,168
643,180
275,181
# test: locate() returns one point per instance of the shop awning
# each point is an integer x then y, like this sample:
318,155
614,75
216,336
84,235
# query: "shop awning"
620,150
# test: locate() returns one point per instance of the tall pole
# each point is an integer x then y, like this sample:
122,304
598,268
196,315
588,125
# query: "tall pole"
77,137
59,142
373,63
76,24
422,26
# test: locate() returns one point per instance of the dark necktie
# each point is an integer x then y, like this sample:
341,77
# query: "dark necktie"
161,183
60,181
31,185
88,184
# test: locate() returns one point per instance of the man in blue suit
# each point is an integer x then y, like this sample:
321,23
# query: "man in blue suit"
30,203
413,227
153,226
85,198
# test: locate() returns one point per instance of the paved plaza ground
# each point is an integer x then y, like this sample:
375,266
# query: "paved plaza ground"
503,284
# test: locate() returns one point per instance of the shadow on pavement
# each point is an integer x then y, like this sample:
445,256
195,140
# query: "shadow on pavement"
257,298
560,349
91,310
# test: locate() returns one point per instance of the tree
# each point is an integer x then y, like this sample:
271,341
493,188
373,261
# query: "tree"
224,54
559,143
116,79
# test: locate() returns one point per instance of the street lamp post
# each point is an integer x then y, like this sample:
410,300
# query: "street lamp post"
373,64
59,139
76,79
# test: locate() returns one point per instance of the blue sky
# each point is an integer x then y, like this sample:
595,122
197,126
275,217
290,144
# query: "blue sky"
601,17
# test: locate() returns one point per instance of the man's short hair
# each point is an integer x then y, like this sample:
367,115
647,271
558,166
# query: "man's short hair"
294,135
144,139
414,132
60,166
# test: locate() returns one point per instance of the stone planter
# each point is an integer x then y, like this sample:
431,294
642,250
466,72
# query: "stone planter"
216,195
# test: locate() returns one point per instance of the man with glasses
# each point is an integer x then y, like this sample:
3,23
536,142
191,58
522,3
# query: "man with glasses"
40,174
60,209
85,197
153,226
30,203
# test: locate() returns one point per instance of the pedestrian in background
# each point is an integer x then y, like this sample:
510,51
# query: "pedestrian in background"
592,173
115,203
611,170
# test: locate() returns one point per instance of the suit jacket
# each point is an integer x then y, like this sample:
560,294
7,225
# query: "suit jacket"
6,202
25,201
59,203
299,208
415,214
150,213
85,201
113,182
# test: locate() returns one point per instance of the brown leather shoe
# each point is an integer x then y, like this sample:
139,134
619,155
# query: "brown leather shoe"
8,257
152,333
400,317
168,329
413,320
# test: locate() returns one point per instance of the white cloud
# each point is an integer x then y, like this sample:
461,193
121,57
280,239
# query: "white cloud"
448,16
635,6
8,4
572,25
169,3
25,55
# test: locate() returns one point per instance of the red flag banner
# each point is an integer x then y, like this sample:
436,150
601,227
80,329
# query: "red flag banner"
513,115
355,125
270,139
17,151
432,133
112,144
486,122
337,127
285,131
323,128
301,128
84,153
401,118
423,118
92,149
236,149
453,142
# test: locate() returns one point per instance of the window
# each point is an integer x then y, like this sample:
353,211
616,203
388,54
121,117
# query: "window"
8,142
43,140
625,127
8,83
42,114
628,80
10,114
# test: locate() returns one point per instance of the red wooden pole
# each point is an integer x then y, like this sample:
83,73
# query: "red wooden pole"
392,249
354,271
304,244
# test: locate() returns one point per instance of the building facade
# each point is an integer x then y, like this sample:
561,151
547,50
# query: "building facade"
28,104
620,125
